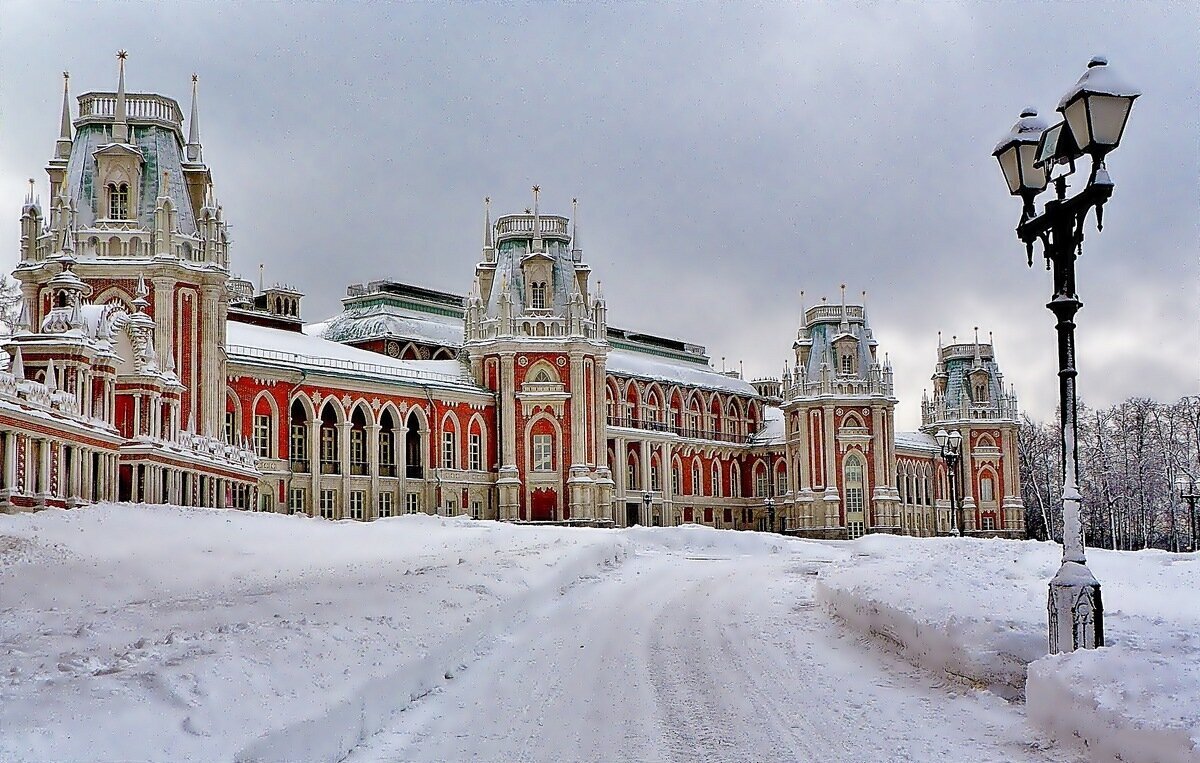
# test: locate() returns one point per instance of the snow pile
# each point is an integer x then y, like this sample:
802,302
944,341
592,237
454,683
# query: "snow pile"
976,610
153,633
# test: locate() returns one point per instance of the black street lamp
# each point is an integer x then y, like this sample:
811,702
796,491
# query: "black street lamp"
769,502
1188,492
1095,112
951,445
647,500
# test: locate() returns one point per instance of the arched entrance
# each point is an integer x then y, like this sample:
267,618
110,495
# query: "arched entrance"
544,503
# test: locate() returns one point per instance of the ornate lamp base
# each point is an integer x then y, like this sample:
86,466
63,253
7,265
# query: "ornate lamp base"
1076,612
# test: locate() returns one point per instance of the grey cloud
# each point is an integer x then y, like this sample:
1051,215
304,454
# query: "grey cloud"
726,156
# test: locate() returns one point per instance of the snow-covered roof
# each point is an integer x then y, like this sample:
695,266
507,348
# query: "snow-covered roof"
292,349
384,319
916,441
636,364
772,432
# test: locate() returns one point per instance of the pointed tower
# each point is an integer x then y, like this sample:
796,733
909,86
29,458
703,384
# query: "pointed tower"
841,407
534,339
969,397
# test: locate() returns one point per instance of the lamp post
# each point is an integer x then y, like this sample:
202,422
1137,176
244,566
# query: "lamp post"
647,500
951,443
1094,113
769,502
1188,492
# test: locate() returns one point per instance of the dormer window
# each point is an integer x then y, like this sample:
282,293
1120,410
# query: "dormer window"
847,365
118,201
538,300
981,393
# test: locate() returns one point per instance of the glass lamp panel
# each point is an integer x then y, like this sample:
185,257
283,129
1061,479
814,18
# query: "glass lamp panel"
1008,164
1032,178
941,437
955,439
1077,121
1108,113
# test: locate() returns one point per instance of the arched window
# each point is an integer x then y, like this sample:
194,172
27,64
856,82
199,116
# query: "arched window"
735,481
387,445
697,485
264,428
847,364
760,480
716,478
298,438
330,452
358,441
539,295
118,201
450,442
631,472
676,479
987,489
781,486
655,484
414,457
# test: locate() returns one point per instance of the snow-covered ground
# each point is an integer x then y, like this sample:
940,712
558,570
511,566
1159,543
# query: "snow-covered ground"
153,633
977,610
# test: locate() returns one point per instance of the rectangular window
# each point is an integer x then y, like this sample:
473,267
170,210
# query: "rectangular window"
230,427
328,504
387,454
728,516
298,447
654,482
451,507
358,451
357,499
781,483
986,491
760,484
543,459
412,503
262,436
989,523
449,460
329,454
296,500
855,530
476,509
385,505
854,499
476,454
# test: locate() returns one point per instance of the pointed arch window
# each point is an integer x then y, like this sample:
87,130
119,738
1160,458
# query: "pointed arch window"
538,299
118,201
847,364
697,485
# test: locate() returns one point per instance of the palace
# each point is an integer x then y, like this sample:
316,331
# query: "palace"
141,370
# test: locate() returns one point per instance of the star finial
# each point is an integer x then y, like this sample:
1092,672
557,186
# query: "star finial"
66,75
195,78
487,199
537,188
122,55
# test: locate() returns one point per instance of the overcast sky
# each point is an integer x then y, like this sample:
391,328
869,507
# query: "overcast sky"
725,157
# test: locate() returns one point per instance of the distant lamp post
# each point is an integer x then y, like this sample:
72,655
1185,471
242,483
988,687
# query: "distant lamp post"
1188,492
769,502
951,445
1095,112
647,500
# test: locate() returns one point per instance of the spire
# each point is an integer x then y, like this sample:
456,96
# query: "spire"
537,221
62,149
51,378
194,153
576,249
140,302
17,366
489,249
120,128
977,360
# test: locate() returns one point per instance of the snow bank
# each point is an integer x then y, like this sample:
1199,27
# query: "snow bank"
976,610
156,633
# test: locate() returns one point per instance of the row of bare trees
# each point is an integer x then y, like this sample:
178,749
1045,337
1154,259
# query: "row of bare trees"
1130,457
